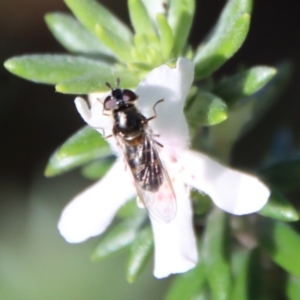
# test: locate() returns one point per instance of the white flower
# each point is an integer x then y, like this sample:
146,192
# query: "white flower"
89,213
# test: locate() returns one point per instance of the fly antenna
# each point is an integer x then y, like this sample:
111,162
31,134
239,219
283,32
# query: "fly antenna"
118,82
109,86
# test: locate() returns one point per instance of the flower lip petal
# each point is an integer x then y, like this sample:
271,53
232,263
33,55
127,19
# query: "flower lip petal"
172,85
175,242
93,115
90,212
163,80
233,191
83,109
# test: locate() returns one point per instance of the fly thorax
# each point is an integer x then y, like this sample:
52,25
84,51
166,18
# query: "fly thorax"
128,122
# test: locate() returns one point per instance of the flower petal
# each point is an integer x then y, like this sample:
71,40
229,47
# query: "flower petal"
90,212
175,242
93,115
233,191
172,85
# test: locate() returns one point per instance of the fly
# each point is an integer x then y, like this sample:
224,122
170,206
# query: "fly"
139,148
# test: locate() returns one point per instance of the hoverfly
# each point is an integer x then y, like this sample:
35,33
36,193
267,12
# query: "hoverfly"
139,148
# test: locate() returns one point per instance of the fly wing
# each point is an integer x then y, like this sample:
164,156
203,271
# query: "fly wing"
161,205
152,182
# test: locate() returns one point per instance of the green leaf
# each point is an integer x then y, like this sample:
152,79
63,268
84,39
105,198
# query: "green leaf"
293,288
248,283
202,203
261,101
140,252
166,35
205,109
129,210
117,238
216,255
246,113
84,145
91,13
225,39
147,51
282,243
114,43
52,68
244,83
185,286
95,81
140,19
279,208
73,36
284,175
97,169
180,17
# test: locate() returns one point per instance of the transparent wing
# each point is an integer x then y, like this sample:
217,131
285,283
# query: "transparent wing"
161,204
152,182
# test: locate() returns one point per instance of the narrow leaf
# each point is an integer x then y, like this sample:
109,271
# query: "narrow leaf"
147,51
180,17
52,68
117,238
293,288
282,243
140,19
205,109
95,81
248,282
140,252
166,35
73,36
90,13
114,43
279,208
185,286
129,210
216,255
84,145
97,169
244,83
225,39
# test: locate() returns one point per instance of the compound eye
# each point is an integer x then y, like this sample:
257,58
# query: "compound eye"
109,103
129,95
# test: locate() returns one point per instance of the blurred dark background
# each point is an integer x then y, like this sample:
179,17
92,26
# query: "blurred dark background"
34,119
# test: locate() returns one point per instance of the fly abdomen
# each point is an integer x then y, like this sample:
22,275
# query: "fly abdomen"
145,166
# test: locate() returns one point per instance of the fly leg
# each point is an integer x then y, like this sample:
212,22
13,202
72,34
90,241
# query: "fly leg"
155,115
103,132
159,144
